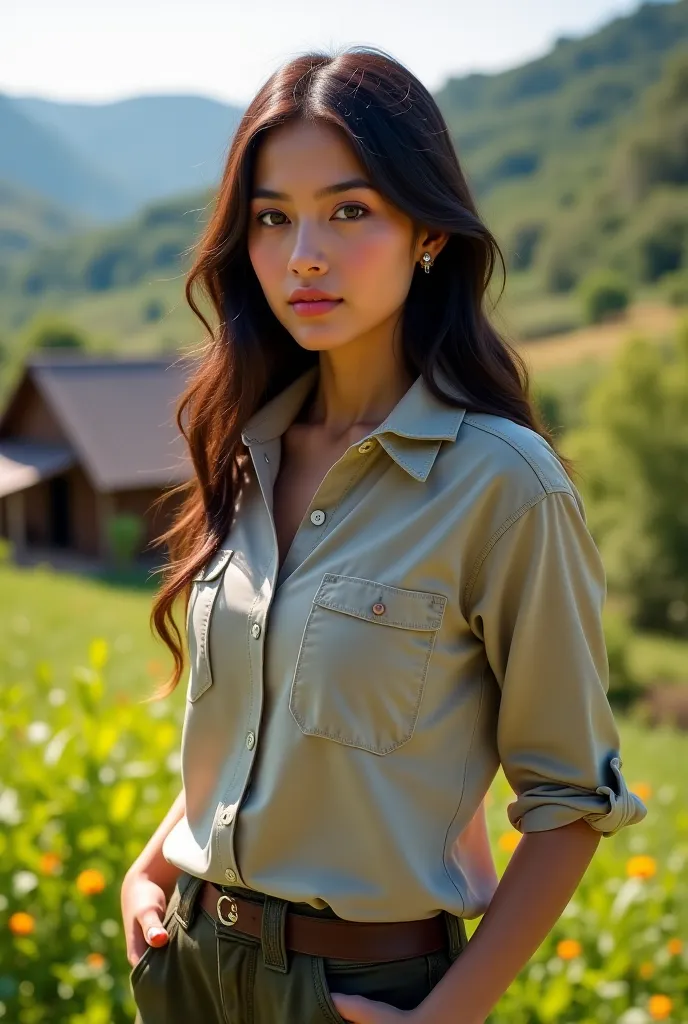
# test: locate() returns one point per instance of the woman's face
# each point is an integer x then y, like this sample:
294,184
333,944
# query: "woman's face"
350,243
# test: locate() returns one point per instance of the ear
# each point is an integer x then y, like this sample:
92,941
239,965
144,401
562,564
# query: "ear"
432,242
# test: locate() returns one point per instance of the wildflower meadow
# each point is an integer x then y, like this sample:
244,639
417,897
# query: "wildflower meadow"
87,771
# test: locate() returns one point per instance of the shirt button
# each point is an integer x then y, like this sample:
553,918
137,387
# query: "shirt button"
378,609
317,517
227,816
255,630
250,740
366,447
230,875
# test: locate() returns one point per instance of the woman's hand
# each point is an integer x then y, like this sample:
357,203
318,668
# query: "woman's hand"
143,909
360,1010
368,1011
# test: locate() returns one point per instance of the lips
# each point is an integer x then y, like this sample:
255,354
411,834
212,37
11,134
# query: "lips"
314,307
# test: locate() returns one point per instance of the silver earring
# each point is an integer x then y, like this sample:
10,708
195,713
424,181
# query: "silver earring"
427,261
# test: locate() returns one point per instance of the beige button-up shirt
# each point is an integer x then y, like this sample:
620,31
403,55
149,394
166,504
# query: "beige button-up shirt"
438,612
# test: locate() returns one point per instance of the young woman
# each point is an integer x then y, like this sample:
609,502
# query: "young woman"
391,590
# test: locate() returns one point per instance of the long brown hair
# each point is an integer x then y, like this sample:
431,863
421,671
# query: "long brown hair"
398,133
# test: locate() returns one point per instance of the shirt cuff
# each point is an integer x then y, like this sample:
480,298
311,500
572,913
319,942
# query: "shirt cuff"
605,809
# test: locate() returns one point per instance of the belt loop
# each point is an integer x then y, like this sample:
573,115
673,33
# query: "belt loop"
187,901
273,931
456,932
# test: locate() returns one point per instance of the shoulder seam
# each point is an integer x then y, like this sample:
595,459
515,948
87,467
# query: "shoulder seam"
546,483
484,552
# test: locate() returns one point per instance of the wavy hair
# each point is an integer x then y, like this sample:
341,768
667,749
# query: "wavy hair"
397,131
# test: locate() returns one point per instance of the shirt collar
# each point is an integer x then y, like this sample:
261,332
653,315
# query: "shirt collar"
412,434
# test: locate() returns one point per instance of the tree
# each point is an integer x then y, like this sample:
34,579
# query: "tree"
633,458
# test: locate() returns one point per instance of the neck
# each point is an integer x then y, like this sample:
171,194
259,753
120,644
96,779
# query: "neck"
356,394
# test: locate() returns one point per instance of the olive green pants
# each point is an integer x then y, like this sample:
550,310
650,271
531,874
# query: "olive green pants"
212,974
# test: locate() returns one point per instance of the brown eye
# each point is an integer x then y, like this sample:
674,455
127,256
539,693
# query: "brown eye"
353,206
269,213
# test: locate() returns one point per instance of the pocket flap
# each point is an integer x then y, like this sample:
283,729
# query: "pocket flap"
378,602
215,567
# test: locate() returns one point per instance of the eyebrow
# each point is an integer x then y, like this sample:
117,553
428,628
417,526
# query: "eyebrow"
340,186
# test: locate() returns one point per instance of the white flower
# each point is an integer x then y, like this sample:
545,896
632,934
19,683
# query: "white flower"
23,882
57,697
612,989
37,732
9,807
634,1016
605,943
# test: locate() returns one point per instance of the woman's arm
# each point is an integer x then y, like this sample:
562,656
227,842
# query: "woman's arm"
540,879
150,861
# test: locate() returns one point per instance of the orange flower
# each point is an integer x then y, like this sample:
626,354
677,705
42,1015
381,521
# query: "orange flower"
568,949
641,866
49,863
675,946
95,960
646,970
508,841
21,923
642,790
90,882
659,1007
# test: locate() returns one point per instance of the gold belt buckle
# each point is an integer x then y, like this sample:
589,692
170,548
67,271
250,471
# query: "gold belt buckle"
233,913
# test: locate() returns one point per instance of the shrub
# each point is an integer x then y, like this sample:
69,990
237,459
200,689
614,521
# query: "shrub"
125,532
675,287
603,292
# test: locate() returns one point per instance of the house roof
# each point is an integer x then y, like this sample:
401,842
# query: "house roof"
117,415
24,463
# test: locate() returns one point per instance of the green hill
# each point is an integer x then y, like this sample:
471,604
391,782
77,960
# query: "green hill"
579,160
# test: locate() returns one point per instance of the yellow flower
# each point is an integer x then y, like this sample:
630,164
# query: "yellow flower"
642,790
675,946
95,960
21,923
641,866
646,970
49,863
508,841
659,1007
90,882
568,949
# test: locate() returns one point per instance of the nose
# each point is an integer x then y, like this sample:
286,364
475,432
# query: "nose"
306,256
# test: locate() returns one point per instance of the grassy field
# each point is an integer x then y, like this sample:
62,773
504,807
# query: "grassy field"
87,773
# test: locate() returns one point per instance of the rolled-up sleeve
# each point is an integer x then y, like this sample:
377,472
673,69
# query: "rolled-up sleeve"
536,601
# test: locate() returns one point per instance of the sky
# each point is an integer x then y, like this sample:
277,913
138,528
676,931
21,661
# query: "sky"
100,50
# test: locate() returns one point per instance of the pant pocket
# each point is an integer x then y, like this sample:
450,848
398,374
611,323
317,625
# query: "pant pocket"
403,984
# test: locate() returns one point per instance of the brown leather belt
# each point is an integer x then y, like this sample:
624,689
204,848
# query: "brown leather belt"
331,937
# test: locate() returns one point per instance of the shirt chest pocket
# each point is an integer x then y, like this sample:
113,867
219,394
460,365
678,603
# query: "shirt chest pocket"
205,588
363,661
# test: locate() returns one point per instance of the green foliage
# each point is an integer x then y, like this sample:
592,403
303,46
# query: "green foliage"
675,287
50,331
634,450
125,532
86,777
603,292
